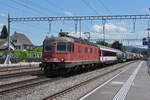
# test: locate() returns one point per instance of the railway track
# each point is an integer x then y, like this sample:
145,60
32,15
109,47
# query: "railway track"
6,69
6,76
7,88
63,92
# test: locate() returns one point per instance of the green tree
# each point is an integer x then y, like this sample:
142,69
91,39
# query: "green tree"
4,32
102,43
144,53
134,50
117,45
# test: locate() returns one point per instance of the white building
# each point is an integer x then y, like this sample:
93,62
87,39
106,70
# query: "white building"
4,45
21,42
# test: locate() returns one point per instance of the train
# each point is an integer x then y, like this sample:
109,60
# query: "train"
65,53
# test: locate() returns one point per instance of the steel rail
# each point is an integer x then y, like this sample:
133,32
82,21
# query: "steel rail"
16,68
25,84
61,93
6,76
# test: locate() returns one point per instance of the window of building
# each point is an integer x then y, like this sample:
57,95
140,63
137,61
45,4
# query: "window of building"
17,47
14,41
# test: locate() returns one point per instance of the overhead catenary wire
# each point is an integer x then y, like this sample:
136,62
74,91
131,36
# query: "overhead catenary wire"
56,6
28,7
90,7
43,8
105,7
15,7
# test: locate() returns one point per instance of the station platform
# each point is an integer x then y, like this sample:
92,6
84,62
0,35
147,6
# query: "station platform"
131,84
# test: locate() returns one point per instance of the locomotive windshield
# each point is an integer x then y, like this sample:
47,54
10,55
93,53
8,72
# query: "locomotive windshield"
61,46
48,46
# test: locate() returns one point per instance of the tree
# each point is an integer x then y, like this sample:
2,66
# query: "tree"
117,45
4,33
144,53
134,50
102,43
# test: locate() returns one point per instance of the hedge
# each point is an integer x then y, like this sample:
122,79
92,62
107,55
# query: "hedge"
22,55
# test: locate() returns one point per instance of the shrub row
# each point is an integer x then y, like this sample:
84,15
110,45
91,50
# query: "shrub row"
22,55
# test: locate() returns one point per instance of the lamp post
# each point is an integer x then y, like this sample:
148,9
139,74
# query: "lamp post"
148,39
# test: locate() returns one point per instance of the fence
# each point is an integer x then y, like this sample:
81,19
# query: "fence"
19,56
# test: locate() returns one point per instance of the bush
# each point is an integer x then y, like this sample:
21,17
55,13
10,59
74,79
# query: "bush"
26,54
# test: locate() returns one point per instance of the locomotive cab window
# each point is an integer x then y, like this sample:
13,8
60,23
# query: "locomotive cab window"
85,49
61,46
91,50
72,47
79,48
95,51
69,46
48,46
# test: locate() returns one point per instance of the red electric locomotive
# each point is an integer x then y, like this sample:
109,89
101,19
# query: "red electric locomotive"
66,52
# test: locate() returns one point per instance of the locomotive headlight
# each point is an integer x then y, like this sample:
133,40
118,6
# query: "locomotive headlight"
62,60
45,59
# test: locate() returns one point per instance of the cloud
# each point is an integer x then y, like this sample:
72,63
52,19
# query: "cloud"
93,35
68,13
1,14
1,25
109,27
145,9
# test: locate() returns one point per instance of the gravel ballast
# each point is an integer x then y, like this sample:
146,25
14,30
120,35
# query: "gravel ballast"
47,89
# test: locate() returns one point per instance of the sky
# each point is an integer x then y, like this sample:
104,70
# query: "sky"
115,29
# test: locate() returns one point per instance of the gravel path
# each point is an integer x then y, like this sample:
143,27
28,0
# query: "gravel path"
47,89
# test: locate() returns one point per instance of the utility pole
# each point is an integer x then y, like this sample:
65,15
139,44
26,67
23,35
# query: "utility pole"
104,22
76,23
50,27
7,60
80,28
148,38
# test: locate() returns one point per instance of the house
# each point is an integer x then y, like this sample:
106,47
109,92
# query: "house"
4,45
21,41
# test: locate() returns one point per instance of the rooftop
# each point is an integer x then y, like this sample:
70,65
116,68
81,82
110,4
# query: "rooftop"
23,38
